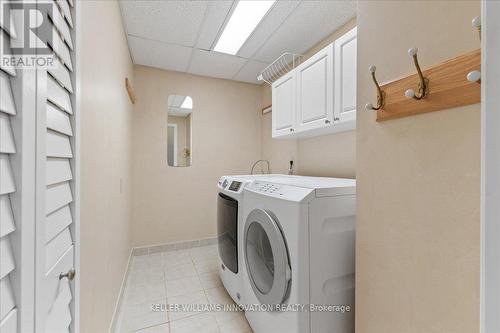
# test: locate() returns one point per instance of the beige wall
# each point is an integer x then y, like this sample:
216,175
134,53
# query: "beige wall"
105,161
310,156
418,180
174,204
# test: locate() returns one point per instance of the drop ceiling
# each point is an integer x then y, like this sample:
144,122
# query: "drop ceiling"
180,35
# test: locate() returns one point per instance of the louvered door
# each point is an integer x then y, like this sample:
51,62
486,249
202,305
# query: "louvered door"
8,306
57,186
39,172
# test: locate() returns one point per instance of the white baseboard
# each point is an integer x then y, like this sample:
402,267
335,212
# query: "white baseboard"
115,318
150,249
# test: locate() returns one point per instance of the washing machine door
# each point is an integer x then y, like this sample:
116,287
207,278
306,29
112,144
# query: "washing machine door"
266,258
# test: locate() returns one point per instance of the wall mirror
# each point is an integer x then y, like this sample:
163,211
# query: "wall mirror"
180,110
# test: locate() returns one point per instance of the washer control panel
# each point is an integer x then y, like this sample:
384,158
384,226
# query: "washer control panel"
282,191
231,185
267,187
235,186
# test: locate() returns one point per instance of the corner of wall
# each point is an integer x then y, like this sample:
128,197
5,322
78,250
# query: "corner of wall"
106,194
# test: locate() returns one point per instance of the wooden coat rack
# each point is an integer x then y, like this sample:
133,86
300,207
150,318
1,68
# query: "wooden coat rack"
453,83
448,87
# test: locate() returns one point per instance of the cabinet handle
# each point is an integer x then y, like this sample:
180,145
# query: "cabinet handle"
327,121
336,119
291,129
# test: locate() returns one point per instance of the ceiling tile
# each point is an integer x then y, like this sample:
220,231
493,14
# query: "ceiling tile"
158,54
276,16
250,71
176,22
215,64
311,22
163,34
215,17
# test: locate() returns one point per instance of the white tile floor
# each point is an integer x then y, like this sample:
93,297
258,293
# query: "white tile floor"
177,277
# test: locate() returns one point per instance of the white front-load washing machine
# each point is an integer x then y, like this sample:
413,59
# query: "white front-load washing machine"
229,219
298,250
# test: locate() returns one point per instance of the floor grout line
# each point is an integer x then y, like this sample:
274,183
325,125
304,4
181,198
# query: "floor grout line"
166,293
149,267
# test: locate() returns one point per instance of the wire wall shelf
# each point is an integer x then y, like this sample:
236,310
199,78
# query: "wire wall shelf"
284,64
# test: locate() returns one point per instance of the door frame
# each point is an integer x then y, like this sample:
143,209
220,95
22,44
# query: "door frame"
175,143
490,166
76,99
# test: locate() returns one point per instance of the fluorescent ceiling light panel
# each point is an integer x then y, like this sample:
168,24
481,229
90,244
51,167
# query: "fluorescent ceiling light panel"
188,103
245,18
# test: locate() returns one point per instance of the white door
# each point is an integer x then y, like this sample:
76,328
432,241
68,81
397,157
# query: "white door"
315,91
57,204
38,173
345,77
8,225
283,101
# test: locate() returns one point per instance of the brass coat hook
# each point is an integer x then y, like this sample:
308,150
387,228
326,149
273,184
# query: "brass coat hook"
475,76
423,86
380,92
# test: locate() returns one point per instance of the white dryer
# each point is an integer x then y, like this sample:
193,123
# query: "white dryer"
298,249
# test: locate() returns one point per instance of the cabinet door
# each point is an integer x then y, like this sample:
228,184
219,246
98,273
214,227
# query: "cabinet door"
315,91
345,77
283,96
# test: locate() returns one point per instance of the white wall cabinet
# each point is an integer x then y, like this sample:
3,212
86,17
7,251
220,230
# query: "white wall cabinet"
345,78
283,116
314,91
319,96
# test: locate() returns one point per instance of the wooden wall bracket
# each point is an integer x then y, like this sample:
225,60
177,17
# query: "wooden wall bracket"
448,88
130,91
267,109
